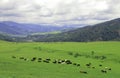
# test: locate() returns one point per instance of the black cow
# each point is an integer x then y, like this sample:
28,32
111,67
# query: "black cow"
103,71
39,58
25,59
33,59
100,65
48,59
78,64
109,69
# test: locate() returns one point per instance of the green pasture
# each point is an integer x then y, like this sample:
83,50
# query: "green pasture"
106,54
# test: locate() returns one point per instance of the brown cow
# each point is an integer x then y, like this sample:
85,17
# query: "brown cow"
83,72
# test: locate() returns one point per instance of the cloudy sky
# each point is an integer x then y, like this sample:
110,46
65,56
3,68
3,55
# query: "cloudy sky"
59,12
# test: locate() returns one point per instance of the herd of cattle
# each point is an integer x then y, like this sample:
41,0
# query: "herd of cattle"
64,61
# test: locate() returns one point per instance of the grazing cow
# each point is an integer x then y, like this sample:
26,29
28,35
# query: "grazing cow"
103,71
109,69
39,58
100,65
25,59
93,67
83,72
46,61
63,63
33,59
13,57
88,65
68,62
74,63
78,64
21,57
55,62
63,60
59,62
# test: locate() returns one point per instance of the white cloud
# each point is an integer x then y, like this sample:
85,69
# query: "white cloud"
59,11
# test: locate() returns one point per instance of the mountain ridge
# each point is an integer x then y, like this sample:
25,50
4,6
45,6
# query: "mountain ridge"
109,30
14,28
106,31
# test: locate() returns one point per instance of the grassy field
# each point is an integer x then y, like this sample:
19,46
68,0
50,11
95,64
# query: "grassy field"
106,54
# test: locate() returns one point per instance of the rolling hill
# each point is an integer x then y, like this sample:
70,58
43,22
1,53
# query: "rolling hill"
13,28
109,30
106,31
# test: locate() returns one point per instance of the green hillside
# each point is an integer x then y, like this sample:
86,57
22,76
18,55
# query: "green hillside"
106,31
16,60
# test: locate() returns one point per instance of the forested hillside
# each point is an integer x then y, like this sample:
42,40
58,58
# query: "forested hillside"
106,31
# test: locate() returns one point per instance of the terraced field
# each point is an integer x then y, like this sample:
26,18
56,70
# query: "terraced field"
60,60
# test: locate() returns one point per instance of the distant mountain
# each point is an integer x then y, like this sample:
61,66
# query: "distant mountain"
13,28
106,31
